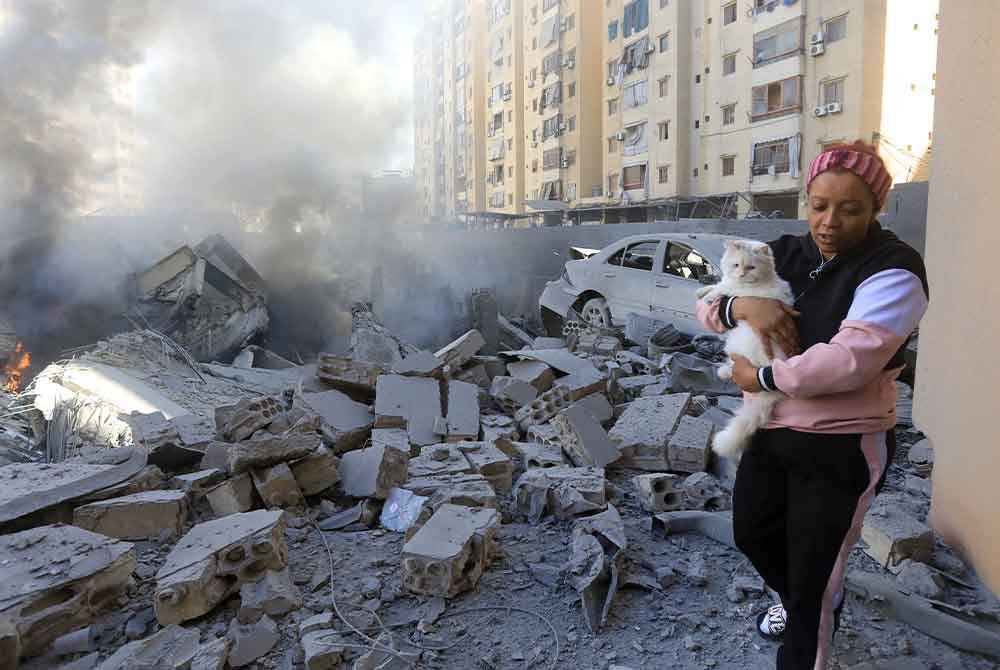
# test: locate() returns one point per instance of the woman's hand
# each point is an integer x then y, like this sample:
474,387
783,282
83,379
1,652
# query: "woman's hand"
772,320
745,374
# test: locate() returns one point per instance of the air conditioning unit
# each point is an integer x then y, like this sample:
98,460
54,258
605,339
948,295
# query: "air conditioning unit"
651,48
611,81
816,38
531,83
817,49
819,110
562,25
834,108
772,170
562,127
506,96
569,63
620,136
564,163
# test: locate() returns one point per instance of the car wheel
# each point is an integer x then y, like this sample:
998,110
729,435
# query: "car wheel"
595,312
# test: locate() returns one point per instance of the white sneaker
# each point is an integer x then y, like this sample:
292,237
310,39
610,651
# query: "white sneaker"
771,623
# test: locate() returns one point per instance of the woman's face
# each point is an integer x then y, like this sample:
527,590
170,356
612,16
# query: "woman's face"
840,208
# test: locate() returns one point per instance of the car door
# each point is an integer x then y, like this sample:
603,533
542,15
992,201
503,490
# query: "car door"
676,283
628,277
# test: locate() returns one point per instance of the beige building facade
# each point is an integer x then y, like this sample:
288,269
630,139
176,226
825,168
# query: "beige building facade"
505,85
956,400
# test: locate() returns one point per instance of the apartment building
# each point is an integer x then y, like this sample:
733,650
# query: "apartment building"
429,117
470,81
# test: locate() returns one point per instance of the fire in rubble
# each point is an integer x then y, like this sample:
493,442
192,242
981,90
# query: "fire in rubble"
15,367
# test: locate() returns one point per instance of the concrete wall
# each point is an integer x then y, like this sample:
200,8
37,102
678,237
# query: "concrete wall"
958,368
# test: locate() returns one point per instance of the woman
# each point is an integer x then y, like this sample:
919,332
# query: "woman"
805,483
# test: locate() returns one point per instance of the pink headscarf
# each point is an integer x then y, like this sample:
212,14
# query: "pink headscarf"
868,167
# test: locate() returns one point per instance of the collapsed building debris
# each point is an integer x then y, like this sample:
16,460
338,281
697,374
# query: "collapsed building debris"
461,351
583,439
596,564
562,491
348,375
892,536
374,471
644,429
371,342
659,492
140,516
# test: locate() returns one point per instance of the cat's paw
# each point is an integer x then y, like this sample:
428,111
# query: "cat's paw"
725,371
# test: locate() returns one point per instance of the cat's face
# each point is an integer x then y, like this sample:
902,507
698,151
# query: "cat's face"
748,262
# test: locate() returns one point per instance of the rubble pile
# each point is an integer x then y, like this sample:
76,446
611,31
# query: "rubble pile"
267,514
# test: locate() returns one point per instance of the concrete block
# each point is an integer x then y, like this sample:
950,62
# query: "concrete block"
659,492
439,459
633,387
533,455
562,492
316,472
411,403
463,411
544,407
395,438
459,352
277,486
344,423
142,516
644,428
195,484
374,471
920,579
449,553
56,579
274,595
348,375
921,457
321,650
546,434
536,373
172,647
216,456
491,463
420,364
212,655
512,394
549,343
583,439
690,447
213,559
583,383
475,375
597,406
469,490
268,450
251,641
591,342
499,426
235,423
702,491
232,496
892,536
495,365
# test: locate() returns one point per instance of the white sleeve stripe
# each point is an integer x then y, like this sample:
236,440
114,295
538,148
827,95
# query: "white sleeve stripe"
893,299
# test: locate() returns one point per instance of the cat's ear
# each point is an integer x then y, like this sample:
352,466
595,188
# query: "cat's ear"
734,245
764,250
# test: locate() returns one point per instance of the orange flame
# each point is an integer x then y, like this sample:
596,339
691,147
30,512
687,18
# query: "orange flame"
14,368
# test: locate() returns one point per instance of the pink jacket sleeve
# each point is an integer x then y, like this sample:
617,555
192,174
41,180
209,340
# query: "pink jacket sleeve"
886,308
708,315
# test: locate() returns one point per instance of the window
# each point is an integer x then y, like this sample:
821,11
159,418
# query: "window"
697,124
697,79
729,114
663,174
534,43
664,85
729,14
635,95
663,130
778,42
635,18
728,64
835,29
571,90
833,91
570,22
694,172
534,104
634,177
640,255
612,106
612,30
571,124
612,68
549,4
510,198
510,171
551,158
778,97
728,166
534,165
664,41
612,145
683,261
769,155
664,3
635,140
510,116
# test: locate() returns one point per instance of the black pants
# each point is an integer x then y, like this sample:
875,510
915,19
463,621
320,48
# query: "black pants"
798,504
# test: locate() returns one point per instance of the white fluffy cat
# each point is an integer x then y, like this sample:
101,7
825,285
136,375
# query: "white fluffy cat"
747,271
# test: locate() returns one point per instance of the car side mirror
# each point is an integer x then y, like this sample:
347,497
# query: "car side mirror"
708,280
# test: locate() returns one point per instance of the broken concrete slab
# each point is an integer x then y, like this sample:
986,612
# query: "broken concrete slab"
10,643
593,342
232,496
411,403
55,579
463,411
268,450
211,655
374,471
274,594
162,439
559,359
659,492
499,426
213,559
536,373
277,486
469,490
921,457
891,535
344,423
690,447
439,459
598,406
238,422
450,552
173,647
420,364
583,383
546,434
475,375
643,431
717,526
544,407
142,516
321,650
351,376
597,563
195,484
372,342
635,387
395,438
583,439
251,641
512,394
489,462
459,352
920,579
317,472
359,517
534,455
562,492
702,491
150,478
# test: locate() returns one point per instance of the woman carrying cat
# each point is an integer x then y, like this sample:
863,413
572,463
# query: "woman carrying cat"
807,479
